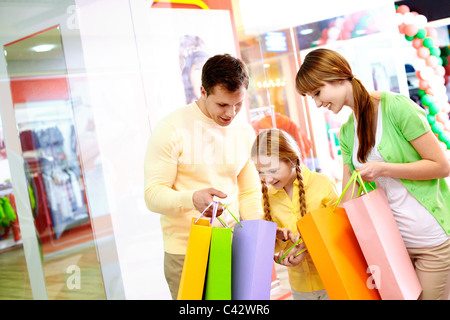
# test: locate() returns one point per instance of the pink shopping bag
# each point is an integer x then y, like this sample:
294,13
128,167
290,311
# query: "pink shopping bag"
382,244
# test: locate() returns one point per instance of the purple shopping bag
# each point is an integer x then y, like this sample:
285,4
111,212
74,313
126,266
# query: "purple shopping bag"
252,260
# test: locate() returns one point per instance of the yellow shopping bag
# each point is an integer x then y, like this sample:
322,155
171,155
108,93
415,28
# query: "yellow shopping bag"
196,261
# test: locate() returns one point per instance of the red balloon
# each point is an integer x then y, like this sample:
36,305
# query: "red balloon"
418,75
411,30
423,84
423,52
403,9
417,43
432,61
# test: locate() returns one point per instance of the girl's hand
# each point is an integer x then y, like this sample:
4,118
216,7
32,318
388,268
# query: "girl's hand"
291,260
285,234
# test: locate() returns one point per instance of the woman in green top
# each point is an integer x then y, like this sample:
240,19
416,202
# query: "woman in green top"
388,140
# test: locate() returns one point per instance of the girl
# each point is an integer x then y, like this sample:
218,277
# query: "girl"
388,139
290,190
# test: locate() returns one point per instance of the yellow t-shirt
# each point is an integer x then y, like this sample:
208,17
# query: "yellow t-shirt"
188,151
320,192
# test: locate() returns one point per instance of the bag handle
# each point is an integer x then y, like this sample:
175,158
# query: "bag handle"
355,177
297,254
215,205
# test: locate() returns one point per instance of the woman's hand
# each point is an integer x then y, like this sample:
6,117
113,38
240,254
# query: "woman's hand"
371,170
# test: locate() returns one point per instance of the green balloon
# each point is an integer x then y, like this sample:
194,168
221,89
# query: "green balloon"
434,109
409,38
444,61
444,137
435,51
431,119
440,61
421,93
426,100
428,42
437,127
421,33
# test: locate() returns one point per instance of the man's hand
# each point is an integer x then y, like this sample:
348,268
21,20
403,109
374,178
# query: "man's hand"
202,199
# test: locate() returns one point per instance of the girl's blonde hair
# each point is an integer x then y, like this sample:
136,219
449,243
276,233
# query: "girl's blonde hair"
325,65
275,142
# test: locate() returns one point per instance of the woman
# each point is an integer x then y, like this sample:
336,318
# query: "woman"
388,140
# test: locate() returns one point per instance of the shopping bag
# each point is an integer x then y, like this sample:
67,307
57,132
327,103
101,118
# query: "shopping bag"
208,258
382,244
218,276
196,260
252,259
336,254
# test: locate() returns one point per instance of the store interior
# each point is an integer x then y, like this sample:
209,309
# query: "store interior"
82,84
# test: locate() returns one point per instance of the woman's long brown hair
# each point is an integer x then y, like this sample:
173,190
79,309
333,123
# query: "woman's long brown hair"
325,65
275,142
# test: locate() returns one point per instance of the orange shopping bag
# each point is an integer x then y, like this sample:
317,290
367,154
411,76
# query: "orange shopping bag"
333,247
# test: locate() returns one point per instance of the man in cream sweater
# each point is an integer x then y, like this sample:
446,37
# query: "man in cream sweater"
198,154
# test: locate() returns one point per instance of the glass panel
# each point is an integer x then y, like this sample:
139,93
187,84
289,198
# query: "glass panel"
15,283
46,127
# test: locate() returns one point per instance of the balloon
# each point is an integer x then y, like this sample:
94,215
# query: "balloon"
423,84
398,19
421,33
403,9
428,42
421,92
445,51
442,117
408,18
431,32
421,21
435,51
444,61
437,127
434,109
417,43
432,61
411,30
426,73
431,119
423,52
447,126
409,38
426,100
439,71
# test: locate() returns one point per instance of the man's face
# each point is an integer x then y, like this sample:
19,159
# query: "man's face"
222,105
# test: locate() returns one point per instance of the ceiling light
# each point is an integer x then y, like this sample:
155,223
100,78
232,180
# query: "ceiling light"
43,47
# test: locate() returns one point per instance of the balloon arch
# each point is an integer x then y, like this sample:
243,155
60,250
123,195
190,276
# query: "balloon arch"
432,69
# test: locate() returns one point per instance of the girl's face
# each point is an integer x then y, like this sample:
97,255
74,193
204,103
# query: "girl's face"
333,95
275,172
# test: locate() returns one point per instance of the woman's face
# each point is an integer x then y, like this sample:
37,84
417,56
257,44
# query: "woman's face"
275,172
333,95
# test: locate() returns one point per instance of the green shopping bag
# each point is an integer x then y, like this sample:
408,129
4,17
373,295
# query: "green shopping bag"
218,277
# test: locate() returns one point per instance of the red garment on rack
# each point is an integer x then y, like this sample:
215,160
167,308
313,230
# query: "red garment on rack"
284,123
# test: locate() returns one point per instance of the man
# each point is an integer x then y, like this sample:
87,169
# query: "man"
200,153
